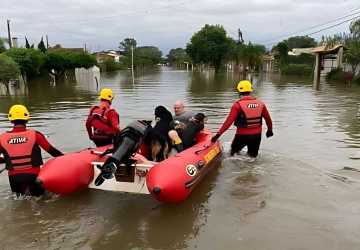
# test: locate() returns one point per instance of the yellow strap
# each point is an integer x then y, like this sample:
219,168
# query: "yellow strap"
177,141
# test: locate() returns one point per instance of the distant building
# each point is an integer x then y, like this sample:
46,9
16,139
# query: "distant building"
108,55
268,63
299,51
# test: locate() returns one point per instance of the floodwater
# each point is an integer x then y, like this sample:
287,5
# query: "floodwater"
302,192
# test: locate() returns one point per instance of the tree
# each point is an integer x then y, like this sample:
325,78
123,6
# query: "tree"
2,45
147,56
41,46
251,54
27,44
300,42
30,61
60,60
8,69
126,45
352,54
210,45
355,28
177,57
281,52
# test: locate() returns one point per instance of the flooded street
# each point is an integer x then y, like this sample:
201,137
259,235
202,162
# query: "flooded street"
300,193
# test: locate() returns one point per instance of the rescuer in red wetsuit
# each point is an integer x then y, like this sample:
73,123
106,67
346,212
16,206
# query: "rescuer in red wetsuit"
246,114
102,123
21,153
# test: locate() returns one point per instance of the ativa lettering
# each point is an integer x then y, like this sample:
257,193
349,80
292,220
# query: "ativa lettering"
18,140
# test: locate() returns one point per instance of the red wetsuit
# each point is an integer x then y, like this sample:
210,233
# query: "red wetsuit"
102,124
247,113
22,155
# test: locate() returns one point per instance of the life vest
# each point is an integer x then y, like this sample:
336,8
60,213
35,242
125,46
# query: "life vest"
21,150
99,122
250,115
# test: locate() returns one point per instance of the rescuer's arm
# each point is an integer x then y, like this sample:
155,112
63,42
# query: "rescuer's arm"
114,121
267,117
229,120
43,142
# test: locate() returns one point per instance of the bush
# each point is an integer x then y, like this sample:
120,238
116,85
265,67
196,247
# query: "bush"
110,65
30,61
356,79
339,75
297,69
8,69
302,59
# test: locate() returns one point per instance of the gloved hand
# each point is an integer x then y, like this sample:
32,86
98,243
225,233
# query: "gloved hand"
269,133
215,138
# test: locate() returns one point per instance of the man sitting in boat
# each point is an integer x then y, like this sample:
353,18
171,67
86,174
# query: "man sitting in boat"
22,155
102,123
184,137
180,114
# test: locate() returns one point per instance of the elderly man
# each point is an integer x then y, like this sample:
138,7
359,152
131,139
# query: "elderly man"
181,119
181,114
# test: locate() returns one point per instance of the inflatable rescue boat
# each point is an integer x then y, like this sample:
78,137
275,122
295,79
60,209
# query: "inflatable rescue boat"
123,170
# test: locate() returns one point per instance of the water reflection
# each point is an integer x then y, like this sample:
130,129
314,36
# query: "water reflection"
149,220
13,89
320,128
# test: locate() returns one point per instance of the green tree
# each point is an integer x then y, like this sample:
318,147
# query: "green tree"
355,28
2,45
147,56
8,69
177,57
41,46
352,52
210,45
126,45
30,61
27,44
281,52
60,60
251,54
300,42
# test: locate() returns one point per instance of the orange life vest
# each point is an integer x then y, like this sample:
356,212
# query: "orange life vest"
250,115
21,150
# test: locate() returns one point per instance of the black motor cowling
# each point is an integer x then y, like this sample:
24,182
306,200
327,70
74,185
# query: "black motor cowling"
125,145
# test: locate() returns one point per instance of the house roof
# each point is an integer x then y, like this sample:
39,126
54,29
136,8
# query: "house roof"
327,50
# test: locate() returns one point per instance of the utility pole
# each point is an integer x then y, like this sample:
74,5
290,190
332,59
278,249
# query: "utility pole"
132,63
47,42
85,47
9,34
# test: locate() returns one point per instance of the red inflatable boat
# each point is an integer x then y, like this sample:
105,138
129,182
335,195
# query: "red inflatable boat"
171,180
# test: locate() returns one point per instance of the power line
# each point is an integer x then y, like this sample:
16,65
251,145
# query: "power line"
318,31
313,27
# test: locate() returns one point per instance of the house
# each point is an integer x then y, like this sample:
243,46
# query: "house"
108,55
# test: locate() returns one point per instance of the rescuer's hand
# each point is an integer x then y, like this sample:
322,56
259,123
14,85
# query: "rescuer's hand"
269,133
215,138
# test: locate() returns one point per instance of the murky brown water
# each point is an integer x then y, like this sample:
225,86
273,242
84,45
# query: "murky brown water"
296,195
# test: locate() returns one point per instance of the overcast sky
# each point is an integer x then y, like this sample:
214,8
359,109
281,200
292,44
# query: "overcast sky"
102,24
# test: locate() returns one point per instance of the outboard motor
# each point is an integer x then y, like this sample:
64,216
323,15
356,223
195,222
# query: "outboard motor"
126,144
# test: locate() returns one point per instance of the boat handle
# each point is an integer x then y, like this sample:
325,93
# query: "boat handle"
200,150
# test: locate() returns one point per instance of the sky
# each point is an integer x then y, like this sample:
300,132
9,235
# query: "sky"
167,24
